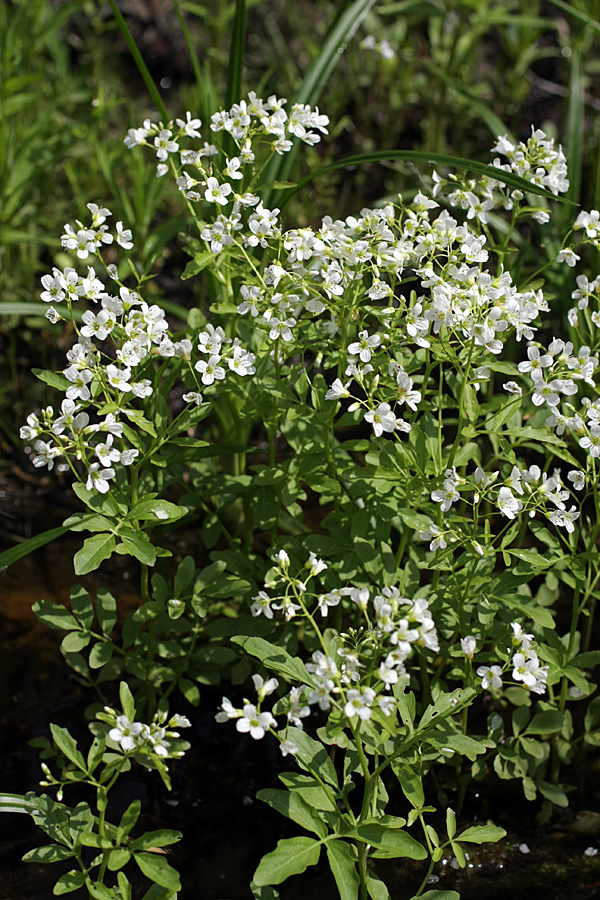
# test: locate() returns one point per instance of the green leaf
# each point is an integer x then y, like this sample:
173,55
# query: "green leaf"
438,895
138,418
88,522
292,856
156,868
71,881
345,25
161,838
157,511
482,834
106,610
450,823
53,379
118,858
377,889
67,745
127,701
9,557
16,803
310,789
342,862
94,551
50,853
293,805
100,654
313,755
128,820
54,615
547,722
233,91
274,657
138,544
553,792
82,606
391,842
75,641
436,159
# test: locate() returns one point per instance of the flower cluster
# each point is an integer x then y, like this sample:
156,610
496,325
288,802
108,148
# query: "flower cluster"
363,666
137,737
114,350
525,662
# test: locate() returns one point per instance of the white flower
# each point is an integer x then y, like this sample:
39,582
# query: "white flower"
98,478
125,732
216,193
578,479
358,703
254,722
491,676
288,747
338,391
264,688
362,348
382,419
193,397
569,256
508,505
227,711
468,646
124,237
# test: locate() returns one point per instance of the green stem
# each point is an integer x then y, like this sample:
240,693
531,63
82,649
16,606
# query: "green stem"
461,411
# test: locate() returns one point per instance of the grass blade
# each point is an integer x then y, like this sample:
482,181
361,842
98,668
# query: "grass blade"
576,13
9,557
440,159
575,125
233,92
314,81
139,61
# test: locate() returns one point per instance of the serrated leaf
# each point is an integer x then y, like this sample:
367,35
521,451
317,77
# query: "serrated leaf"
292,856
94,551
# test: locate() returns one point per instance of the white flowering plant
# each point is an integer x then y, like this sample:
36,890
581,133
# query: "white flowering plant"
82,834
390,464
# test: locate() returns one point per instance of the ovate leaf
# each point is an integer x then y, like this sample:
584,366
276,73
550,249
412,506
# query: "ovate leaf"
291,857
